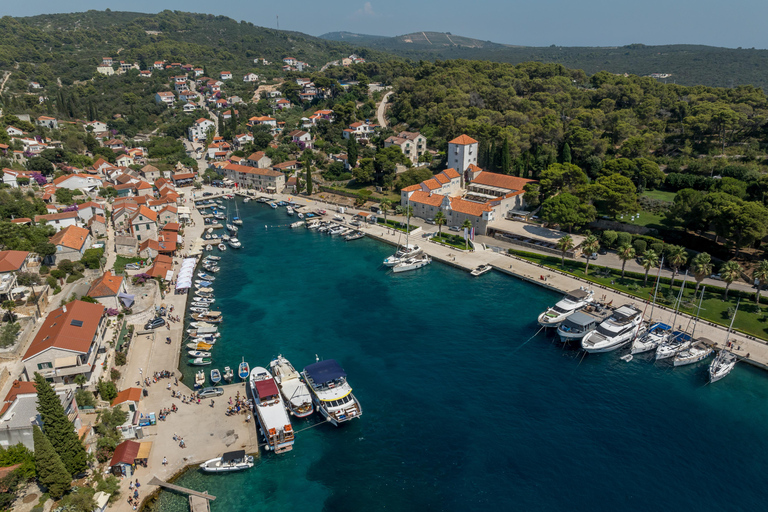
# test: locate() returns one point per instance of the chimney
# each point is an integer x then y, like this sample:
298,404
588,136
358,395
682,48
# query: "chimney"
65,308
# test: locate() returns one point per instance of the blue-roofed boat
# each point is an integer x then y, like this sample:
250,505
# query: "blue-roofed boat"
215,376
273,205
655,336
677,342
243,371
331,392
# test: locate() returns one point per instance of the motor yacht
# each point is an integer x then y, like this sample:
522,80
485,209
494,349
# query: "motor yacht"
576,326
270,411
234,243
331,392
295,392
615,332
413,263
230,461
572,302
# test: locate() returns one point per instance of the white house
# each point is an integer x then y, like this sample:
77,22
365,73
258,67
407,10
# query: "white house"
226,75
302,138
97,126
165,97
412,144
48,122
462,152
59,221
251,77
197,132
84,182
359,130
13,131
87,210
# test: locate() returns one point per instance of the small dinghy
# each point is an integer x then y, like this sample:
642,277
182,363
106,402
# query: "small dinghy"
215,376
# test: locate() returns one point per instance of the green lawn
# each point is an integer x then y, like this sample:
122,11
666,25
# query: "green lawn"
452,240
122,261
751,319
660,195
647,219
400,226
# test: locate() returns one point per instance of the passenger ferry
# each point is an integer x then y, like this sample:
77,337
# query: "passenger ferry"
270,411
331,392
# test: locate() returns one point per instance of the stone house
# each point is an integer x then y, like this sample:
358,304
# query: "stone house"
70,244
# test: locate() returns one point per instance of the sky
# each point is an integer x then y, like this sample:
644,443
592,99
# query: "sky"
737,23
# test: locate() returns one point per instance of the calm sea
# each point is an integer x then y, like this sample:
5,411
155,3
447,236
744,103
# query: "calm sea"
465,407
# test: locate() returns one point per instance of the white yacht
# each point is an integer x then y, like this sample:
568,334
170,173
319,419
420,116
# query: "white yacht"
568,305
234,243
722,365
404,252
289,210
657,334
295,391
615,332
270,411
482,269
413,263
699,351
675,342
230,461
331,392
576,326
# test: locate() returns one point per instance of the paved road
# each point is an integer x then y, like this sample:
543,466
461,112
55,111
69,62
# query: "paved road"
382,107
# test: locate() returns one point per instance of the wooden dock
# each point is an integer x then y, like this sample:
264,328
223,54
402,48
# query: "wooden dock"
198,504
203,495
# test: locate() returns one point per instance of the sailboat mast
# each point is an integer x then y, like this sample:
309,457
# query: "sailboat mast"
698,311
655,290
679,301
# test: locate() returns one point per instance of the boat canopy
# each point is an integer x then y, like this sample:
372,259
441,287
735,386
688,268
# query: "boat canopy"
233,456
579,294
580,319
661,326
681,336
325,371
266,388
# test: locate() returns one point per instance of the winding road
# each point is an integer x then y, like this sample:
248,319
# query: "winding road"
382,107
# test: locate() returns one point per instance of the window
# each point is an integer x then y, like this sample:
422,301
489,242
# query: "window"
44,366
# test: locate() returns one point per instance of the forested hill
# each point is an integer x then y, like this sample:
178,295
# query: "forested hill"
687,64
71,45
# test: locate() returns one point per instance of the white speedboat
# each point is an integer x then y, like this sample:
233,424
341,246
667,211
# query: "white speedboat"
722,365
295,391
213,258
615,332
404,252
331,392
697,352
297,224
569,304
225,237
336,230
199,378
235,243
482,269
222,247
209,247
313,224
247,200
675,342
412,263
273,206
270,411
354,236
230,461
199,353
657,334
289,211
576,326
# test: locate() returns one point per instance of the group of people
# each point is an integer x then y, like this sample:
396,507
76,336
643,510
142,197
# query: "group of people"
180,440
165,374
166,411
240,405
133,499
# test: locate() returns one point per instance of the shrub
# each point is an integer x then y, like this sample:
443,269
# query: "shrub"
52,282
58,273
114,374
658,247
609,237
640,246
44,269
120,358
85,398
623,238
66,265
74,277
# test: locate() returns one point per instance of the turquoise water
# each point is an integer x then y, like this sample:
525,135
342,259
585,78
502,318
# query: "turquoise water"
460,412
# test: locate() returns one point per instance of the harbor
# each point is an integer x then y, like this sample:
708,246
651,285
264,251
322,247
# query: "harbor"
261,325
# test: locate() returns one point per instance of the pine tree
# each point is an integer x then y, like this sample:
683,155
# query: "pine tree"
308,169
566,154
51,472
492,159
59,429
506,164
352,152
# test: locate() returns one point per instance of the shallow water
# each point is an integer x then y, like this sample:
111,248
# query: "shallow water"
460,413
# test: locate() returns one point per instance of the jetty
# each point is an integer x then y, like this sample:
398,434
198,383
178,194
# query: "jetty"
178,488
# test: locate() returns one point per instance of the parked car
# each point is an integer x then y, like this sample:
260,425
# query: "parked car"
430,221
206,194
132,266
602,250
210,392
155,323
593,256
455,228
376,209
716,277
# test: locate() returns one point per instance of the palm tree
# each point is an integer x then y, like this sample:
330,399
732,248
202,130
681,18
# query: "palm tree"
650,260
80,380
10,305
729,272
467,225
701,267
385,205
564,245
761,276
408,214
589,246
440,220
626,252
677,258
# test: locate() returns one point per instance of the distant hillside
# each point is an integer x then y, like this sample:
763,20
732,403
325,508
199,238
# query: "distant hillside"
350,37
687,64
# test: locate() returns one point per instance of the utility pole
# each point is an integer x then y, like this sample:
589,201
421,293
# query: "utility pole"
278,22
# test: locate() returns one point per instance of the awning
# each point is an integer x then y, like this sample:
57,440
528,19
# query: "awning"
169,275
62,362
144,449
126,299
325,371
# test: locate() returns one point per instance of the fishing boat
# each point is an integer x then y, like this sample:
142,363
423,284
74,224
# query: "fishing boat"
213,258
331,392
697,352
482,269
215,376
313,224
206,277
273,206
199,379
211,317
228,374
300,215
725,360
270,411
235,243
230,461
225,237
232,228
243,370
204,300
199,346
336,230
199,283
354,236
569,304
199,361
615,332
222,247
289,211
412,263
198,309
576,326
297,224
199,353
294,390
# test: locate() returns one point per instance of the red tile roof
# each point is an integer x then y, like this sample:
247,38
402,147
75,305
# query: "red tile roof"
11,261
146,212
425,198
72,237
161,266
442,179
411,188
171,226
108,285
55,216
463,140
257,156
468,207
451,173
252,170
493,179
431,184
71,327
125,453
127,395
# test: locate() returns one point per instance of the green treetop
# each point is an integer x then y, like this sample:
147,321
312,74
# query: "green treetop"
51,472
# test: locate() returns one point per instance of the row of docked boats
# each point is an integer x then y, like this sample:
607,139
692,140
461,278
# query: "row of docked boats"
598,329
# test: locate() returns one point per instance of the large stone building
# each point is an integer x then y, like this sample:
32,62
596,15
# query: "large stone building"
265,180
462,152
412,144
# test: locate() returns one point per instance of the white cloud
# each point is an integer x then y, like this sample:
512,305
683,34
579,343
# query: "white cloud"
366,11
